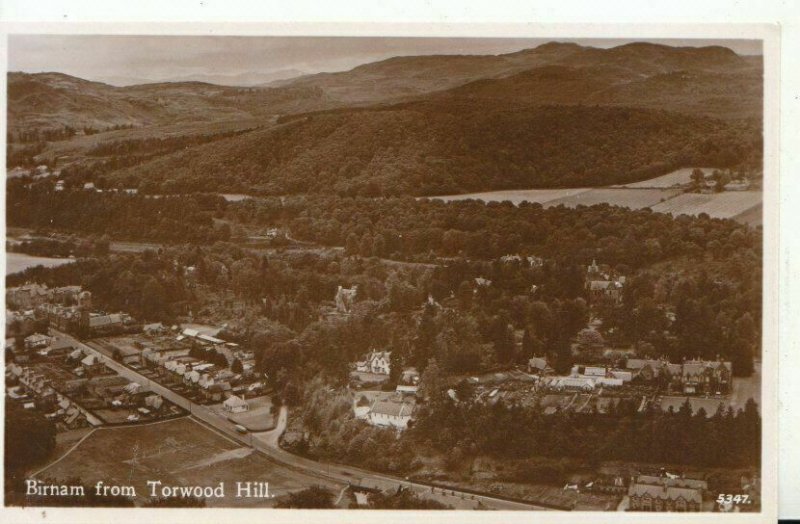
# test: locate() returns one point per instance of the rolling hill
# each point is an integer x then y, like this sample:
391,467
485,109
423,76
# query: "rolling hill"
434,147
558,115
629,74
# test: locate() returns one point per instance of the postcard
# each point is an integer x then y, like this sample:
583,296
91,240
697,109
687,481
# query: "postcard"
290,270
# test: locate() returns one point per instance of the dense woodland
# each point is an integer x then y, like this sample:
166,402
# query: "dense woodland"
439,148
131,217
542,448
705,271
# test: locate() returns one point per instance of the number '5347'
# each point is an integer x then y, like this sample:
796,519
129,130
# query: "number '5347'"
728,498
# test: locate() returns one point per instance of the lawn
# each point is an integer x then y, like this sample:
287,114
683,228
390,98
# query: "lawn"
180,452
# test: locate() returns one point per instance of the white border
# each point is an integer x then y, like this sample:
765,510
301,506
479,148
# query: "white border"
770,35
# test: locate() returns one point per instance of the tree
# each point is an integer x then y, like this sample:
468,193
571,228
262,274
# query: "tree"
351,244
698,177
424,342
236,366
431,384
503,340
395,366
563,352
315,497
29,437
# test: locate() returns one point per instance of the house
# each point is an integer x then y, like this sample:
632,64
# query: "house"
28,296
345,298
482,282
706,376
153,329
377,362
605,291
37,341
388,413
573,384
58,347
539,366
99,323
90,362
235,404
651,493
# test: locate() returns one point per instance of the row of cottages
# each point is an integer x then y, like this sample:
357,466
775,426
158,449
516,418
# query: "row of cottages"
651,493
70,414
377,362
692,376
214,385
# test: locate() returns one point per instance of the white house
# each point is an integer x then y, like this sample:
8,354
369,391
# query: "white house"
390,414
376,362
235,404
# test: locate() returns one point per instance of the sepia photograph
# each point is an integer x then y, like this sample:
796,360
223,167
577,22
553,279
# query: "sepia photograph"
387,272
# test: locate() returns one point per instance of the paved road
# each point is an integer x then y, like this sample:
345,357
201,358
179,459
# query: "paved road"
267,443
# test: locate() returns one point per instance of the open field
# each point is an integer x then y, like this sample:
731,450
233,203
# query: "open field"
180,452
676,178
716,205
661,194
631,198
753,216
516,196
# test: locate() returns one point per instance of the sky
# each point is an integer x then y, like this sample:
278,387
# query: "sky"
126,59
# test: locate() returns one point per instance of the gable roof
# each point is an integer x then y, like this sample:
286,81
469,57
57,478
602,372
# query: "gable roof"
665,492
538,363
393,409
235,401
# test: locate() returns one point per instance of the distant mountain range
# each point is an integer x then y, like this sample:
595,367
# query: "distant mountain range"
246,79
558,114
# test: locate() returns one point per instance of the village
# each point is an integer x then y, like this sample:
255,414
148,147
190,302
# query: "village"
75,388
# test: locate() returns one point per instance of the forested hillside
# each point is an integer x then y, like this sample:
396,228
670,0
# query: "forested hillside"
427,148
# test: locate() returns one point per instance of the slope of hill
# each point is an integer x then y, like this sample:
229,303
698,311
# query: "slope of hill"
51,101
723,95
415,75
436,147
632,74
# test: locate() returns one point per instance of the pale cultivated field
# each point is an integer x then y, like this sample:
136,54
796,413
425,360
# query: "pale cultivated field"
716,205
676,178
661,194
516,196
631,198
